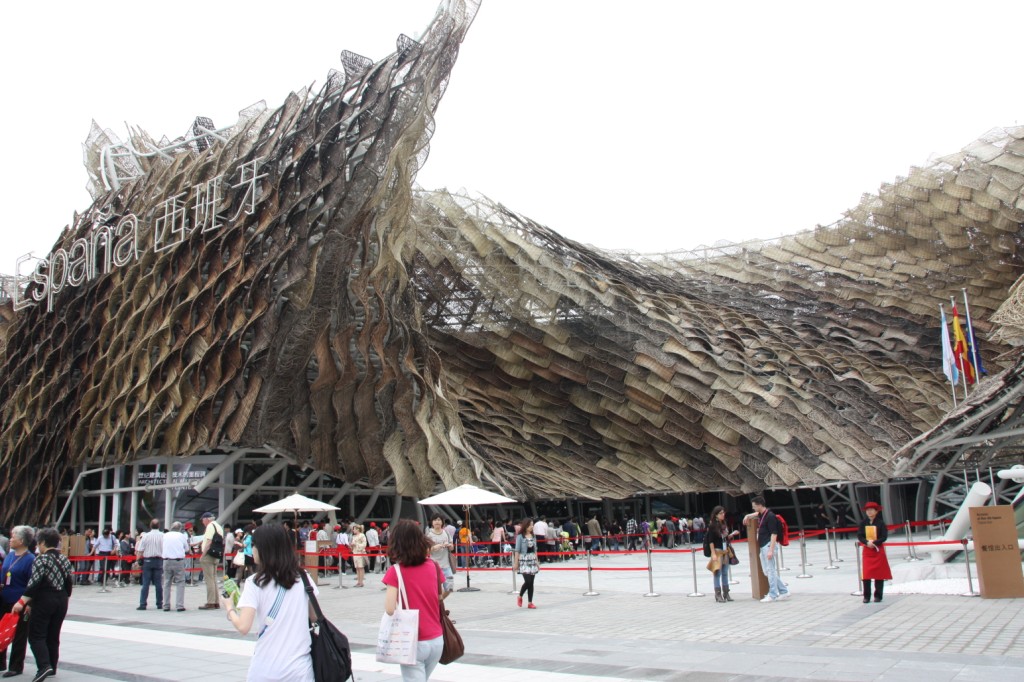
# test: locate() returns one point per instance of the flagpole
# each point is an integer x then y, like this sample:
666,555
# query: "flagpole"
942,317
970,337
963,373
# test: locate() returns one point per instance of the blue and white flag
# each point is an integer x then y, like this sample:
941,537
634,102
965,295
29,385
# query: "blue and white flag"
948,363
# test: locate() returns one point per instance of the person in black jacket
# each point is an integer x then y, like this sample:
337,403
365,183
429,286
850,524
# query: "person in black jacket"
716,542
768,531
872,534
47,592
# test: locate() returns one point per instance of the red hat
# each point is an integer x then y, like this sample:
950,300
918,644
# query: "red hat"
315,526
188,524
872,505
337,528
372,524
385,524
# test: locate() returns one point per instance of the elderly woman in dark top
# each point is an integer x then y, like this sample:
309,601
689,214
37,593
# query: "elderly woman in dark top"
17,569
47,593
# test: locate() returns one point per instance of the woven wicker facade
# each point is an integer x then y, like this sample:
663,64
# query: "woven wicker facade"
327,310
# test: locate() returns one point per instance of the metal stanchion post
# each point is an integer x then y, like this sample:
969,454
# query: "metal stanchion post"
103,577
515,590
913,548
860,583
929,527
341,573
469,566
906,530
835,544
780,564
970,581
803,558
828,545
590,580
650,575
696,592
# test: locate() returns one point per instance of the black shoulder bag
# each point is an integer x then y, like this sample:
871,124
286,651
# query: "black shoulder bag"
332,657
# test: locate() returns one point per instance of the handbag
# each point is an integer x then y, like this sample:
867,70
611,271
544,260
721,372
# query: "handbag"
715,564
733,559
399,633
453,648
238,559
8,624
329,648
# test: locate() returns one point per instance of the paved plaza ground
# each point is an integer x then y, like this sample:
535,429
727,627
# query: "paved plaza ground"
821,633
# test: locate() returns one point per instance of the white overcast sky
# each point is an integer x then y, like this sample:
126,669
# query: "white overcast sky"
647,125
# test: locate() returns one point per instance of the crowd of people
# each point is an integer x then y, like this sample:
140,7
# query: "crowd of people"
558,539
39,577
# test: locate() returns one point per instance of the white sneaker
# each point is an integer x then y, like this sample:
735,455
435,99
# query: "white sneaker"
783,596
767,600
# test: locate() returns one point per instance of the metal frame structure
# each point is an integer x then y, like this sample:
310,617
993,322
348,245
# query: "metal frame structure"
231,482
984,434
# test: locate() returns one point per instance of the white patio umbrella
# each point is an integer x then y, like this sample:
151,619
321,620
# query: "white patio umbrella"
467,496
296,503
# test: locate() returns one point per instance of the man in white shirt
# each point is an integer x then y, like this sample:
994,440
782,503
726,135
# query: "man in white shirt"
150,551
541,532
372,545
319,533
107,546
174,549
344,548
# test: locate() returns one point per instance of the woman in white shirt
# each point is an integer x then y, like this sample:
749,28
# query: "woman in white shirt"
275,602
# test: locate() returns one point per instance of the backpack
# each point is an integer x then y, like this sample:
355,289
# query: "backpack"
783,537
216,546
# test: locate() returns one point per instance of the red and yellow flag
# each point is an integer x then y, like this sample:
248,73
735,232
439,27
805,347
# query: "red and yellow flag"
961,352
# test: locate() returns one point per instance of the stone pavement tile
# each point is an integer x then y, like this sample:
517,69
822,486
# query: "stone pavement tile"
988,674
79,672
841,675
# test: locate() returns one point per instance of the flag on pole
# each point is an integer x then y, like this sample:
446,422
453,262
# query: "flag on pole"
960,352
972,345
974,354
948,365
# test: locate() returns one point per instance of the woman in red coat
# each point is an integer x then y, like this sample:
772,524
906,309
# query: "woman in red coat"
875,566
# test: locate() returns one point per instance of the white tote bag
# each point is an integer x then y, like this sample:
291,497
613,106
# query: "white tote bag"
399,633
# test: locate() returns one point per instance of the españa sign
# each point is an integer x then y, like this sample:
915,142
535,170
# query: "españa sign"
116,241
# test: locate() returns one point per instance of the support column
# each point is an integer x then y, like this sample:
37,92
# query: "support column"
133,513
226,512
796,508
368,507
115,512
103,502
396,509
168,504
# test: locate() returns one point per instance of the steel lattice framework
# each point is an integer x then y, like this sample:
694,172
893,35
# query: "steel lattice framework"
309,301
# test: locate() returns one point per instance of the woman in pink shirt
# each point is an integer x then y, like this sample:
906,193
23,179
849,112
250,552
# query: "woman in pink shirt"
410,549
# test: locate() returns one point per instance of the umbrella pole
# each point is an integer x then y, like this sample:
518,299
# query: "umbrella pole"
467,588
